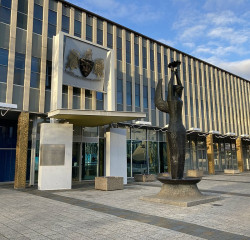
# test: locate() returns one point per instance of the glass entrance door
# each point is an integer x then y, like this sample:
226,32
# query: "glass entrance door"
89,160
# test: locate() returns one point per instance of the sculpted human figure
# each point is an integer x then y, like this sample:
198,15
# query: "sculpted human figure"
176,135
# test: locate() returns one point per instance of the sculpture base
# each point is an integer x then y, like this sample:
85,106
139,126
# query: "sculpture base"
180,192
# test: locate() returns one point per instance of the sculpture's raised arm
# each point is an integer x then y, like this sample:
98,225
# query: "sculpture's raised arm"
159,102
178,79
171,86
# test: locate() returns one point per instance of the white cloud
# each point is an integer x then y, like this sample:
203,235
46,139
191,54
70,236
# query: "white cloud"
131,10
167,42
240,68
192,32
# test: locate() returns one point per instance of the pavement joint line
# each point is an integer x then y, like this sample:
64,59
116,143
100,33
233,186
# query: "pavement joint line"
171,224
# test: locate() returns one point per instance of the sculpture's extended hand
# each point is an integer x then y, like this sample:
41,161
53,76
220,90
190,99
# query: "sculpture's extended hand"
159,102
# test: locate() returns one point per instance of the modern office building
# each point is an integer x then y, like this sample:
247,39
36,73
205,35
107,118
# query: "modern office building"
216,110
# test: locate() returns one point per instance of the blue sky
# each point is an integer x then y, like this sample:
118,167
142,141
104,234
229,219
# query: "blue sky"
217,31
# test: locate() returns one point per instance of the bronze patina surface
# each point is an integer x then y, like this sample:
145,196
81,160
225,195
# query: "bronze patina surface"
176,134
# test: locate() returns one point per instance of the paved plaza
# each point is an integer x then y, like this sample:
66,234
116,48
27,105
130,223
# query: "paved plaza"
86,213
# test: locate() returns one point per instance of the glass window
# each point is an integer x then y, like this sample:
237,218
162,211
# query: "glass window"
159,62
3,75
99,36
137,95
22,20
129,93
23,6
19,69
38,12
51,31
119,48
65,24
19,76
78,15
6,3
152,98
89,32
4,57
145,96
5,6
119,91
77,28
144,55
48,74
128,52
35,72
52,17
152,59
20,61
99,96
76,91
37,26
35,80
110,40
136,55
35,64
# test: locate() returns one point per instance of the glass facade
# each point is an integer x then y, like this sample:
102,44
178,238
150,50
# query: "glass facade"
139,63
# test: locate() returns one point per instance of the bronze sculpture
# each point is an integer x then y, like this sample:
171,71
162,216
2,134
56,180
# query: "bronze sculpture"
176,135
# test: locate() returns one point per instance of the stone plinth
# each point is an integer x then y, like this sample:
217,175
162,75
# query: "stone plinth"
195,173
165,174
109,183
231,171
180,192
144,177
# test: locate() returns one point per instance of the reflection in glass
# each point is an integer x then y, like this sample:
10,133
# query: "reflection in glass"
89,161
153,157
139,160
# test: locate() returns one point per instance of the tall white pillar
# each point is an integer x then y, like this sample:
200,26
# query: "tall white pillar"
116,153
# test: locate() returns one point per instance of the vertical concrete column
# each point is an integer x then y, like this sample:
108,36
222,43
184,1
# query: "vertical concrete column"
43,56
94,41
12,50
21,150
124,70
209,127
115,59
239,154
210,154
141,72
132,47
188,92
163,81
83,36
71,32
105,33
233,105
156,80
149,81
222,104
26,89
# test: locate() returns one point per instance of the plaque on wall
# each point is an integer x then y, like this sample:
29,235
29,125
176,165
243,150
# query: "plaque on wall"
52,155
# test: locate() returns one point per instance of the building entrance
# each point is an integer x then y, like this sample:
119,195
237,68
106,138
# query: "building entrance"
84,161
89,160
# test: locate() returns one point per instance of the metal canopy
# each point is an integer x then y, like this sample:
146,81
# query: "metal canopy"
90,118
